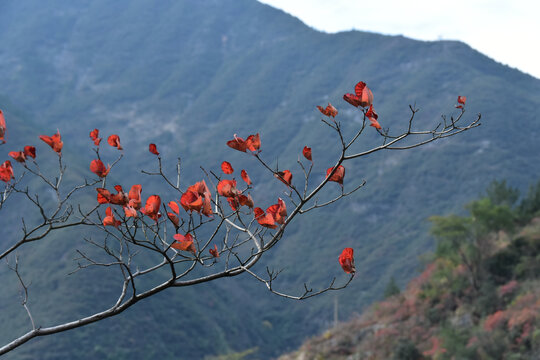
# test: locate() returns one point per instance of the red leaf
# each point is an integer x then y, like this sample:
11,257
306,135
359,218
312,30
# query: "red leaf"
103,196
3,128
346,260
174,206
97,167
214,252
263,219
373,116
338,175
364,94
307,153
6,171
227,188
134,196
233,203
226,167
329,111
244,200
130,211
17,156
461,100
30,151
151,209
110,220
245,177
55,141
352,99
253,142
153,149
114,141
120,198
284,176
184,243
278,211
94,135
174,219
237,143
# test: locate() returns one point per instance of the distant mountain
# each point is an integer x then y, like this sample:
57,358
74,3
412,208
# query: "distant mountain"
188,75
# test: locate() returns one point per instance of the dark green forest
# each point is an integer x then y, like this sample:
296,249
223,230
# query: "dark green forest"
187,75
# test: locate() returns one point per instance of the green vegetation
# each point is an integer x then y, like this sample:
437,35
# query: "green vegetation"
479,297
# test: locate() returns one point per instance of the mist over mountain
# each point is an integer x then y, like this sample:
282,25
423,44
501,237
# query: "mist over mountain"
187,75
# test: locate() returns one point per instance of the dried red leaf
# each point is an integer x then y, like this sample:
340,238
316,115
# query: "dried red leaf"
110,220
307,153
329,111
338,175
55,141
373,116
97,167
151,209
103,196
94,135
153,149
120,198
346,260
18,156
245,177
3,128
226,167
252,143
266,220
114,141
6,171
352,99
227,188
244,200
214,252
184,243
284,176
233,203
30,151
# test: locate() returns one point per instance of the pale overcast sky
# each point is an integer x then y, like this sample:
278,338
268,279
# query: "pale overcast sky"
507,31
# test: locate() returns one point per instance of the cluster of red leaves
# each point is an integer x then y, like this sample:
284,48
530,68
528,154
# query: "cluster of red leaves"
252,143
94,135
363,97
274,215
55,142
197,198
3,128
21,156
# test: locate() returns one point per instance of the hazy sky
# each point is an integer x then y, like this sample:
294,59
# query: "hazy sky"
507,31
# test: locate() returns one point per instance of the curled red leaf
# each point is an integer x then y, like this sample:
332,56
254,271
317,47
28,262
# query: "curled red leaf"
266,220
329,111
197,198
278,211
134,196
94,135
151,209
30,151
346,260
55,141
153,149
174,219
130,211
114,141
174,206
284,176
184,243
227,188
362,97
110,220
338,175
214,252
307,153
18,156
245,177
461,100
373,116
97,167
